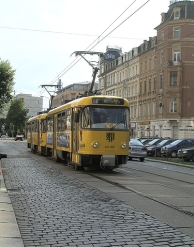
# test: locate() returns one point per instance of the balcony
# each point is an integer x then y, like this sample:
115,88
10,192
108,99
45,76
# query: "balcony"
174,63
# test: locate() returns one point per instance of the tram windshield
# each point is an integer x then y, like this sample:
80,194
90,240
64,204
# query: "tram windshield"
105,117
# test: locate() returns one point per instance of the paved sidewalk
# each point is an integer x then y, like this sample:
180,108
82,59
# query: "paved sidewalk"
9,231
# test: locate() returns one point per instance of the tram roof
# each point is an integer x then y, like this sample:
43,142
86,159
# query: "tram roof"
40,116
86,101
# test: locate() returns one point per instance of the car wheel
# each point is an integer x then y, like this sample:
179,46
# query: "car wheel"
141,159
192,158
129,158
158,153
173,154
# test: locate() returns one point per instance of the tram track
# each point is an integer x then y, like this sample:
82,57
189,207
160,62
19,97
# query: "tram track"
139,193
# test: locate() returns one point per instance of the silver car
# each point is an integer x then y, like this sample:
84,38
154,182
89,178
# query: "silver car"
137,150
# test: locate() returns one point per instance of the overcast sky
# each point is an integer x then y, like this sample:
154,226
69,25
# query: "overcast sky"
39,36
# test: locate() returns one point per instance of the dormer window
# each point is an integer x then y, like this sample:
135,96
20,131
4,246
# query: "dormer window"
176,13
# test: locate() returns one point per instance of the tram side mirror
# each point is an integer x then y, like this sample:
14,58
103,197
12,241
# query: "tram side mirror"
76,117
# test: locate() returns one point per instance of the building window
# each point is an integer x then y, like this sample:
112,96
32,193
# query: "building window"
149,109
161,81
139,110
132,112
154,108
145,65
162,36
144,108
176,33
144,86
177,14
155,62
161,58
141,88
173,105
176,55
150,85
154,83
150,64
135,111
72,96
173,78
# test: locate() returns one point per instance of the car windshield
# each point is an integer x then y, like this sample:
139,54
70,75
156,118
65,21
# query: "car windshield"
105,117
135,142
175,142
162,142
153,141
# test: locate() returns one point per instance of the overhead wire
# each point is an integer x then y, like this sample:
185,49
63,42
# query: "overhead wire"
60,32
77,60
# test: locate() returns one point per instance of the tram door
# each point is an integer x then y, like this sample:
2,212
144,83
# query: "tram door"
54,134
39,135
75,138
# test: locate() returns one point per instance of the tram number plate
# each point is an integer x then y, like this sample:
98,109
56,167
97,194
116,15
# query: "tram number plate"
109,146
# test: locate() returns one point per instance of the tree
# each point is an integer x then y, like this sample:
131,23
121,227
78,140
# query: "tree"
6,83
17,115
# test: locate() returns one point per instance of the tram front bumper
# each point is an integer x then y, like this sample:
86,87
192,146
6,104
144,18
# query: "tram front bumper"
108,160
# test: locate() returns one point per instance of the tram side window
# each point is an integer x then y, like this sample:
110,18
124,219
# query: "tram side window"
69,119
86,118
59,122
34,126
43,125
63,121
50,124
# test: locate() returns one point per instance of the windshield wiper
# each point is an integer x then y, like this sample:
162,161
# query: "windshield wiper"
114,126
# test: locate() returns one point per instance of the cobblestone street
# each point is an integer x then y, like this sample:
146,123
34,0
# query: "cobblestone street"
53,208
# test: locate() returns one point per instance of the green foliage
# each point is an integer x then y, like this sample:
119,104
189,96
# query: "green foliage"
6,83
17,115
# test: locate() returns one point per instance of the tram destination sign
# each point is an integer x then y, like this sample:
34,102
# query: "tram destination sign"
108,101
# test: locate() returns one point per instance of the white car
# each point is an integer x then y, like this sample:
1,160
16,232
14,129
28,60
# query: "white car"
137,150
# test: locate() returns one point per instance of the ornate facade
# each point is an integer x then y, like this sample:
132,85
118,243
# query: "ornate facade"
157,77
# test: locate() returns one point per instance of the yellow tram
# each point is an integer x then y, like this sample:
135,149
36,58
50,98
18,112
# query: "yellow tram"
91,131
36,134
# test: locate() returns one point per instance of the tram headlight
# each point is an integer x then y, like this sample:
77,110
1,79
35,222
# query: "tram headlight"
95,144
123,145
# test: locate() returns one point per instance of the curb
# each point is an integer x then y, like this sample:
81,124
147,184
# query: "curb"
171,163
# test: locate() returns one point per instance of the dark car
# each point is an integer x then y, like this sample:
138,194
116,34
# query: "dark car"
19,137
155,150
153,142
172,148
186,154
137,150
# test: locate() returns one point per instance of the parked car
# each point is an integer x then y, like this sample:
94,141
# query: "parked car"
172,148
155,150
19,137
153,142
145,141
137,150
186,154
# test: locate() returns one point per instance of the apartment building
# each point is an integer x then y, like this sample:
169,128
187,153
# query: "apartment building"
32,103
71,92
157,77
